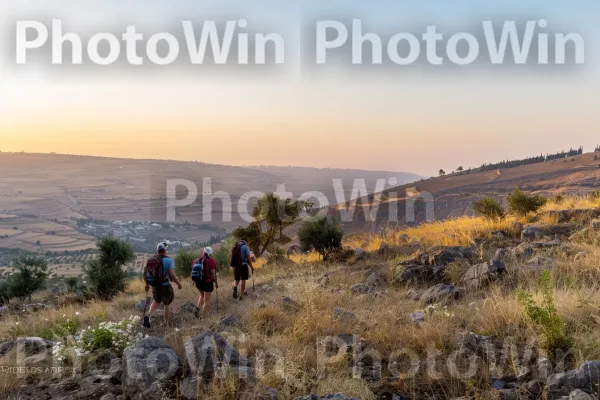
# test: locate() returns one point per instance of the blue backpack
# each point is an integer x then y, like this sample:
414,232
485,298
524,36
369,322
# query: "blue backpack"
198,269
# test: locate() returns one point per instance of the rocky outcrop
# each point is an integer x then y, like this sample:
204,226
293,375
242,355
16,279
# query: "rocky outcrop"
482,274
420,273
209,356
441,292
361,288
150,368
586,378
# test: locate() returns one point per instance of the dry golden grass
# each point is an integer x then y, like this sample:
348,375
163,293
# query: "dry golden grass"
572,203
380,320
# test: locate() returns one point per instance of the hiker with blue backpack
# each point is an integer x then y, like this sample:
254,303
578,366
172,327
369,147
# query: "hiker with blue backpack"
158,274
204,275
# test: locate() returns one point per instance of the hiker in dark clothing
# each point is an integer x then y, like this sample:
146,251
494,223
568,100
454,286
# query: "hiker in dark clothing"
159,273
241,263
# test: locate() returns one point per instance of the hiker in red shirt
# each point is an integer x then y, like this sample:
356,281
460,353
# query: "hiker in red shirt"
208,282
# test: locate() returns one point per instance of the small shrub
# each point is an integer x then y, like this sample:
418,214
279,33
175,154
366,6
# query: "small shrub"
60,330
105,273
556,338
320,234
489,208
183,262
222,254
30,276
522,204
113,336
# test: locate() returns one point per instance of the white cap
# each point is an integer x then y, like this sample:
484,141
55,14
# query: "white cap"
161,246
208,251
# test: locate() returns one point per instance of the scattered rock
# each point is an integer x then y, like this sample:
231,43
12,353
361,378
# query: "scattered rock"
539,262
269,394
502,255
482,274
150,368
339,314
446,255
228,321
579,395
360,254
30,346
372,278
595,225
441,292
187,308
361,288
531,233
210,356
420,273
580,256
585,378
418,317
290,304
524,250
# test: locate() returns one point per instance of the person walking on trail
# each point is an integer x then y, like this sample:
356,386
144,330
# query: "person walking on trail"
241,263
159,273
205,280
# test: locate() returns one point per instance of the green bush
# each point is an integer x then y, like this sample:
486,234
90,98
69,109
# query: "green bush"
522,204
222,254
72,284
556,338
320,234
68,327
183,262
106,273
489,208
30,276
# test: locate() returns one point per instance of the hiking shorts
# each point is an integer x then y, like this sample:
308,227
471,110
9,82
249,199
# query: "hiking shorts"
163,294
241,273
207,287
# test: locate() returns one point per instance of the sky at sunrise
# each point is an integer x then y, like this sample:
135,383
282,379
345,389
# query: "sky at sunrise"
415,118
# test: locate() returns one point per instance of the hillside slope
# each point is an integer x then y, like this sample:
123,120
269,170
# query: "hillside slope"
453,195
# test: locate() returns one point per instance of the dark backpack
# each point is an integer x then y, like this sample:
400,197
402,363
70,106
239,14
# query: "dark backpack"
236,255
155,271
198,269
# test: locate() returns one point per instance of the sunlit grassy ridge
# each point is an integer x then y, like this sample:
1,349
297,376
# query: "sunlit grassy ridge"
380,320
455,232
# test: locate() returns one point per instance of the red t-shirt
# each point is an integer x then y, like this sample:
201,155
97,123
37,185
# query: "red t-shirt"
209,264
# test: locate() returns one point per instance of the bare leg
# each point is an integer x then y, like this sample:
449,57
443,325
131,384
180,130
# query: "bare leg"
167,315
206,306
200,299
153,307
243,288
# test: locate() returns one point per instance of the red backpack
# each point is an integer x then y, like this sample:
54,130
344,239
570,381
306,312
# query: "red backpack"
155,271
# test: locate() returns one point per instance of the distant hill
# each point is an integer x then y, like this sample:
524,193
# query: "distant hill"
453,194
63,187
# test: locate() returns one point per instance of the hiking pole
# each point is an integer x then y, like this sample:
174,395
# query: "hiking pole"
217,299
253,288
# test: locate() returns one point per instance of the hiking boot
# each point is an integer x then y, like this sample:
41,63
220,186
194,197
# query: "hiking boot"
146,321
197,312
235,296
